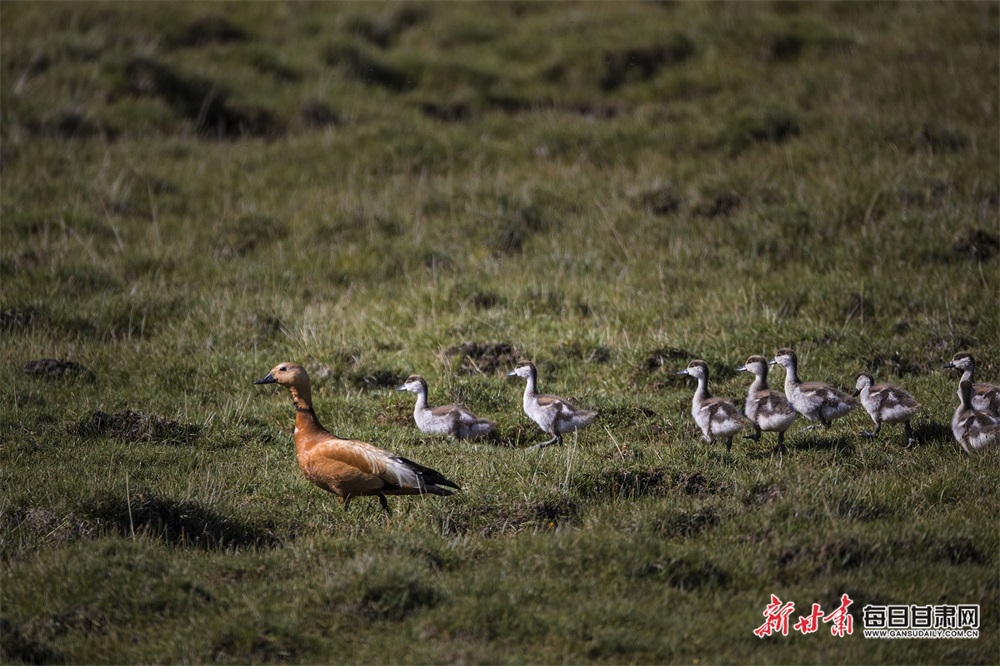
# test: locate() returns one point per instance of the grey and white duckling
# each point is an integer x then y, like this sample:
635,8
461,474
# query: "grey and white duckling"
814,400
973,429
886,403
554,415
717,418
767,409
985,397
452,420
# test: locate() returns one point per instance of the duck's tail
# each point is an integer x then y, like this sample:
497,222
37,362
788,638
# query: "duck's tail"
431,480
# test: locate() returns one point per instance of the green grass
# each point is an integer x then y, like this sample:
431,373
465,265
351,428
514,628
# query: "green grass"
194,192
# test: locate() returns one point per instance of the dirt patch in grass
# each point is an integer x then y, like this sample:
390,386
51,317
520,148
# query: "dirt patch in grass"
182,523
16,647
132,426
653,481
201,101
246,234
637,64
15,319
395,597
831,556
977,244
209,29
685,524
492,520
54,368
484,357
894,364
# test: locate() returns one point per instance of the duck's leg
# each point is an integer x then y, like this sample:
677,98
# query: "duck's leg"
729,444
873,433
557,439
385,504
780,448
756,434
909,435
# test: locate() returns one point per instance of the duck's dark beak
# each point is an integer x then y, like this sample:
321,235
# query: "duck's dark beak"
402,388
742,368
511,373
683,372
856,393
773,361
949,364
266,380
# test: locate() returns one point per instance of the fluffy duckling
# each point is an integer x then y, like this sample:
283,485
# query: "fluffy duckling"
767,409
452,420
552,414
344,467
985,397
886,403
716,417
814,400
973,429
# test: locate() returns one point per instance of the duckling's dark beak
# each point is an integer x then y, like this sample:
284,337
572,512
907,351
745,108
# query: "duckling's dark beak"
773,361
949,364
742,368
511,373
402,388
856,393
683,372
266,380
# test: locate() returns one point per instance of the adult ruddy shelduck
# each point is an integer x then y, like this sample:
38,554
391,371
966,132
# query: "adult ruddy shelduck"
344,467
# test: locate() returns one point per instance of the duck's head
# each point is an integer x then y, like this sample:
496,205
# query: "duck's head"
755,364
286,374
784,357
697,369
524,369
414,384
864,381
962,361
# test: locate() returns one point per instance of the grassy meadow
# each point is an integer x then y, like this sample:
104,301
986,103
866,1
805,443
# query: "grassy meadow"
194,192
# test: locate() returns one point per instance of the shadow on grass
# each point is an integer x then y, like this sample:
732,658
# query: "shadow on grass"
16,647
178,523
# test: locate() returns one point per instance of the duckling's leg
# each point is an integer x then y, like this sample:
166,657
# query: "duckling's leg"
874,433
755,436
780,448
729,444
909,435
557,439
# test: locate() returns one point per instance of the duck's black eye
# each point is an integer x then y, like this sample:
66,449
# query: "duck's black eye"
282,369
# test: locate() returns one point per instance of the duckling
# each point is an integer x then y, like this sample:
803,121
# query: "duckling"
973,429
553,415
716,417
985,397
344,467
452,420
767,409
814,400
886,403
